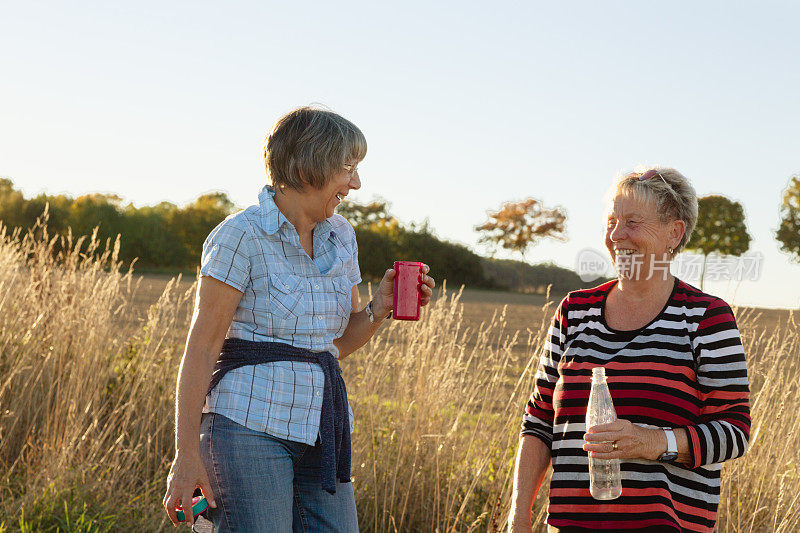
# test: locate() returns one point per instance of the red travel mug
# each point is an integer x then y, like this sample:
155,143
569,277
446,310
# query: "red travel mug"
407,298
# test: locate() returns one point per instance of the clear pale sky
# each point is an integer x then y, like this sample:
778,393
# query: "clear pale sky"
464,105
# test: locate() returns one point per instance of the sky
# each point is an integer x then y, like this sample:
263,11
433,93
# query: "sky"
465,105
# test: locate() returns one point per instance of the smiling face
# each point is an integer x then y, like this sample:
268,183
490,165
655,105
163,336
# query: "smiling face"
322,202
637,239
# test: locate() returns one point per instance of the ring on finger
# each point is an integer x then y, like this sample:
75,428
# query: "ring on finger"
614,446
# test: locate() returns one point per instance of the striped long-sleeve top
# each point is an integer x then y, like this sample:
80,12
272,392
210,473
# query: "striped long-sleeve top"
686,368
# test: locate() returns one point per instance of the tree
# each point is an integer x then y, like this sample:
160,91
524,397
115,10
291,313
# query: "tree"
375,212
789,231
12,203
96,209
720,229
150,237
193,223
517,226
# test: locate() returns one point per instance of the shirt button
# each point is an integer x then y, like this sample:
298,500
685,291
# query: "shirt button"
285,286
316,287
320,317
317,393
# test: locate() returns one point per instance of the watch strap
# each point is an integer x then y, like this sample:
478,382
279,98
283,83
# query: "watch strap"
671,455
672,442
371,313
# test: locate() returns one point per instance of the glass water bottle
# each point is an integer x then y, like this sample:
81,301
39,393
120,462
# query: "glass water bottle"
605,481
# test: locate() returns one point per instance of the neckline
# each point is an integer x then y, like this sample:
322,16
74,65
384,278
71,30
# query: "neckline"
274,217
633,332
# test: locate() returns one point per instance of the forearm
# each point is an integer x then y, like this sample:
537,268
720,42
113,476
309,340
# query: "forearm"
214,309
657,445
716,441
193,379
730,442
358,332
533,458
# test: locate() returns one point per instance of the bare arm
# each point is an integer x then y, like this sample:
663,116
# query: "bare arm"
215,304
533,458
359,329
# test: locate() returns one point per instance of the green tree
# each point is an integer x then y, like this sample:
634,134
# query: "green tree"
149,237
789,230
58,209
377,249
505,273
96,210
193,223
517,226
12,204
720,229
453,262
377,233
375,212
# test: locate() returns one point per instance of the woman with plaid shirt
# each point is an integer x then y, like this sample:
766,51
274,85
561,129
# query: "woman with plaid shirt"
276,306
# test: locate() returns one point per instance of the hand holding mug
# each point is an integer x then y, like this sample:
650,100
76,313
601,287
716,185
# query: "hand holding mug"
384,300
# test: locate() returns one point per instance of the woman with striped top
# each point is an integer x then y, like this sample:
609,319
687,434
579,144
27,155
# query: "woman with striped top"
266,436
675,368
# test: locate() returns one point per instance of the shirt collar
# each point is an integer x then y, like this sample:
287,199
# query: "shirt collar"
272,218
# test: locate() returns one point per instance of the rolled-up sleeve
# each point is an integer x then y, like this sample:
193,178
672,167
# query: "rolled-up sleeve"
724,430
539,414
226,255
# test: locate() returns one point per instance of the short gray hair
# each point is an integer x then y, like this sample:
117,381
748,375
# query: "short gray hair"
309,145
670,192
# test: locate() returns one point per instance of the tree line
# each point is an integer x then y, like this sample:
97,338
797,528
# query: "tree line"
163,236
382,239
168,237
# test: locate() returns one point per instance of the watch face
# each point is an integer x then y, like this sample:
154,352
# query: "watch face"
668,457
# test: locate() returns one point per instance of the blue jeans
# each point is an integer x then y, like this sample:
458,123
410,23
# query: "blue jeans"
264,483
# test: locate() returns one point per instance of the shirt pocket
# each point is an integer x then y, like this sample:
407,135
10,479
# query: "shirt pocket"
287,295
343,292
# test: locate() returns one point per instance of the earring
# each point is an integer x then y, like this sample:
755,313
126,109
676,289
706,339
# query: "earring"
670,249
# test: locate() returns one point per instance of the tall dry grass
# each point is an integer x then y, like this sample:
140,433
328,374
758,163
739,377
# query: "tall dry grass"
438,410
86,387
87,395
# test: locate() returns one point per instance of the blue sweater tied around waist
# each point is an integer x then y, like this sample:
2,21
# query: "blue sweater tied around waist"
334,426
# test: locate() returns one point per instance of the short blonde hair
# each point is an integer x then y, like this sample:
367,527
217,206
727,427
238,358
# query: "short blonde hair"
308,145
667,189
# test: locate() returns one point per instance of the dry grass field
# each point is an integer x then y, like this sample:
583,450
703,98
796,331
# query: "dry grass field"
88,357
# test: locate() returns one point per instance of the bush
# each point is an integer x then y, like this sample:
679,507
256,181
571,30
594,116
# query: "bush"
164,236
380,245
533,278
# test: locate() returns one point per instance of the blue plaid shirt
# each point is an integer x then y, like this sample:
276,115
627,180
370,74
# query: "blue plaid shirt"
287,297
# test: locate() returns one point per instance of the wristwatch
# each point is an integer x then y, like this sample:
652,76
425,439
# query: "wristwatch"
671,454
371,314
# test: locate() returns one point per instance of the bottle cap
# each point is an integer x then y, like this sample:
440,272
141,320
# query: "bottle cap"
598,373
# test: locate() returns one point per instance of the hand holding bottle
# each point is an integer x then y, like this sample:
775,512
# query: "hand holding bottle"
633,442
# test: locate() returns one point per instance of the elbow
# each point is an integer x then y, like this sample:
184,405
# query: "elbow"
740,443
342,349
201,356
745,444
